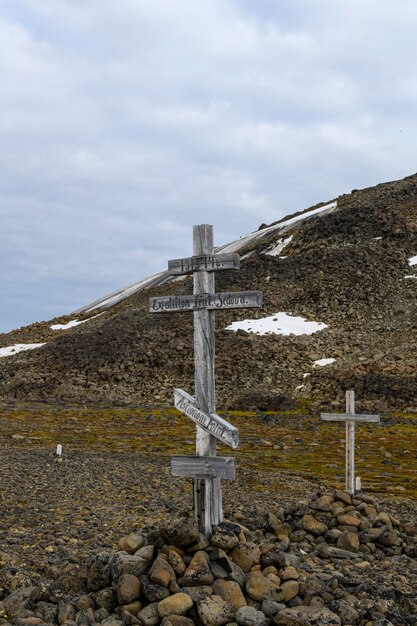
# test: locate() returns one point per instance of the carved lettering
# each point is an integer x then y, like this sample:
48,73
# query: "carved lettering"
173,303
212,423
210,301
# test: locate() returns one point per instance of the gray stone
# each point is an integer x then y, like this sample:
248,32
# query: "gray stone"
182,532
307,616
151,591
131,543
21,599
329,552
149,615
348,614
177,620
112,621
99,571
105,598
124,563
271,608
349,541
198,572
224,538
214,611
198,593
66,611
249,616
128,588
146,552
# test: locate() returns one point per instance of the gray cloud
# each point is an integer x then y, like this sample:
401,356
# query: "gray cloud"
122,124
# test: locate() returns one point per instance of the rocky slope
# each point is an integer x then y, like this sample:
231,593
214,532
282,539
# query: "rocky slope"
346,268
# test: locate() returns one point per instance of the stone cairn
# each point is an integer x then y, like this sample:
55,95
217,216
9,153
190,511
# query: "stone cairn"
303,565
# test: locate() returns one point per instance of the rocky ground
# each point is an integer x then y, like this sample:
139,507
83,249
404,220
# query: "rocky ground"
306,555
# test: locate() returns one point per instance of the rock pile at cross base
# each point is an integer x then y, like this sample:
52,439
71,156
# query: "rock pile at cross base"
331,561
346,268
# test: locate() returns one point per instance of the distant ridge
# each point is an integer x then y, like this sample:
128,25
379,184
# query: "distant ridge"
347,265
237,245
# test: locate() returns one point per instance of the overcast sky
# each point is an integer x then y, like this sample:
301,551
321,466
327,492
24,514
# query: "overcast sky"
124,123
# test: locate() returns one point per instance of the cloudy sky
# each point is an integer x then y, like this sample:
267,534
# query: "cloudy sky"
124,123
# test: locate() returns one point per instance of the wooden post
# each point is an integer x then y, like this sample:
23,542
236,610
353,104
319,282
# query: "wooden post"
350,418
350,443
207,494
209,469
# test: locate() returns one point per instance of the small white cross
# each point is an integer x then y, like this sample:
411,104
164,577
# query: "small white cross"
350,418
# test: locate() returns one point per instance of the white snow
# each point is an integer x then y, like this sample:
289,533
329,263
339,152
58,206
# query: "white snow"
323,362
19,347
72,323
66,326
281,244
411,276
278,324
412,261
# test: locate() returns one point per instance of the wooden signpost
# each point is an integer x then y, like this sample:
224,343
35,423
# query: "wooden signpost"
205,468
213,424
350,418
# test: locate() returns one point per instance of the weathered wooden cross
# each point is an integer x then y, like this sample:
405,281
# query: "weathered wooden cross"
205,468
350,418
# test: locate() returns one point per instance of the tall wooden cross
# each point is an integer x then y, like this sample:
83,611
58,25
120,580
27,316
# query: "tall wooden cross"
209,469
350,418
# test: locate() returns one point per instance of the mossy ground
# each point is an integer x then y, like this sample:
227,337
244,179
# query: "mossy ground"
291,442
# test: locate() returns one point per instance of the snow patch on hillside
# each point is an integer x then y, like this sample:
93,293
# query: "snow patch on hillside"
412,261
323,362
279,247
278,324
68,325
72,323
19,347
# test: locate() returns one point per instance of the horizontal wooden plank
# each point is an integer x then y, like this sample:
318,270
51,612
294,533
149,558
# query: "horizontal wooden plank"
211,423
201,467
210,301
348,417
204,263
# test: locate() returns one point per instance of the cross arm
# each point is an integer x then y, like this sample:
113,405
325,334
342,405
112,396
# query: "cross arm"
349,417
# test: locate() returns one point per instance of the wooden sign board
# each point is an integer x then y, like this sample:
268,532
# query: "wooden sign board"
346,417
210,301
204,263
211,423
203,467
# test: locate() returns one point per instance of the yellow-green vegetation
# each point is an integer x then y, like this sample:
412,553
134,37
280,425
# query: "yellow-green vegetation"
291,441
4,617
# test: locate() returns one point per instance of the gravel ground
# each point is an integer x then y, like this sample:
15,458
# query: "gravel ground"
55,511
52,510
